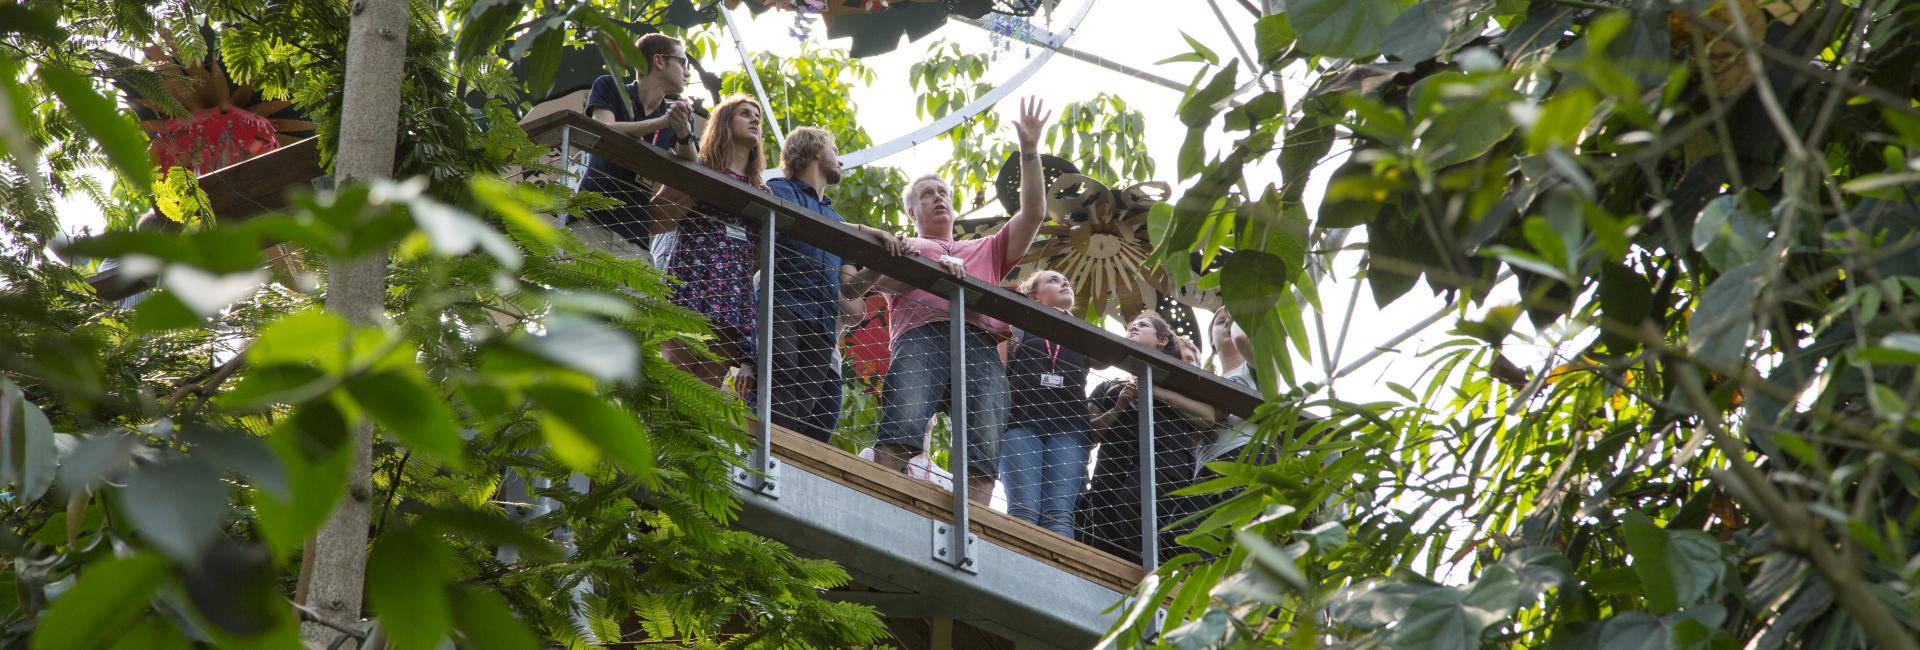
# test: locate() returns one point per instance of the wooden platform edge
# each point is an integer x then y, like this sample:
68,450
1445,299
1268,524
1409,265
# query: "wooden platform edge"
1023,537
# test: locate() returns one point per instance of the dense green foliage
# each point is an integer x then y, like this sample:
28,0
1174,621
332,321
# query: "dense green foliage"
167,461
1708,211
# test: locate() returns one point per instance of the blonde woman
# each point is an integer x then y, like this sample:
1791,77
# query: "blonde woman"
1043,454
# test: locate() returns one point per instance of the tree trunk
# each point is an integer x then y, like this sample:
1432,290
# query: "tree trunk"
356,288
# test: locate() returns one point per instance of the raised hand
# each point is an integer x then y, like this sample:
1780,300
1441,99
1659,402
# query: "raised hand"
1031,123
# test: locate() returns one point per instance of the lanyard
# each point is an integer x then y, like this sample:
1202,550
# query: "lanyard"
1053,354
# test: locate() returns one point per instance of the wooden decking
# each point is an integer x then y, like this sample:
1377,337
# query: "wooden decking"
930,501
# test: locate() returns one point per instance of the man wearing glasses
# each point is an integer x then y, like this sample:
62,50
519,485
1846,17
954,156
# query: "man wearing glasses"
652,111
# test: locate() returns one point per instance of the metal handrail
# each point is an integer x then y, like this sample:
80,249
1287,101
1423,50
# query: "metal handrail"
709,186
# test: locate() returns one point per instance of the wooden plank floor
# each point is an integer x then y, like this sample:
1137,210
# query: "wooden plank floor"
935,503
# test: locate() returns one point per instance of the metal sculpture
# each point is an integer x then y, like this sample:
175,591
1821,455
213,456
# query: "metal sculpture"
224,122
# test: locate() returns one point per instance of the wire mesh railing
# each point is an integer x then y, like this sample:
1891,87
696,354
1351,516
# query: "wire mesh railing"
1015,415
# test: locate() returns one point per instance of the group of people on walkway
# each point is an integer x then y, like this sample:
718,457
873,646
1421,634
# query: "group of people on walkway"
1031,422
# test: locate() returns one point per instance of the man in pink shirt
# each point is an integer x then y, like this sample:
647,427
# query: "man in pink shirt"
919,374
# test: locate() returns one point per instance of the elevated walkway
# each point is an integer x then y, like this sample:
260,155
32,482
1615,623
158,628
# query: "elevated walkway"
1012,584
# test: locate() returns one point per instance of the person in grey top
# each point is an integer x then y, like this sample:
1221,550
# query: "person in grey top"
1234,349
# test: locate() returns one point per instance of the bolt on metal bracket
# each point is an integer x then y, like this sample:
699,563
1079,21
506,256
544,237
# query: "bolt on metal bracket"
766,483
943,552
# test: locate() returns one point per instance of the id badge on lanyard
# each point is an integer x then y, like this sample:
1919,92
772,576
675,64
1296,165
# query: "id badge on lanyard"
736,231
1053,379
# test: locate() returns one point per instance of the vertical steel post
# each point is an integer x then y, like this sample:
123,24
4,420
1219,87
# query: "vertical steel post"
566,153
1149,484
1149,490
957,414
763,350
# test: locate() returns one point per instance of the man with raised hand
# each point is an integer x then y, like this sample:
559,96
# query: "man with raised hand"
918,374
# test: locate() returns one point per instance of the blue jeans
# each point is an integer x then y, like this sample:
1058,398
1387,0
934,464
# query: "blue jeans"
917,386
1044,472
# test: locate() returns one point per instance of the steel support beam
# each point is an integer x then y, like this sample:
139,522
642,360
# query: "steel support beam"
1014,596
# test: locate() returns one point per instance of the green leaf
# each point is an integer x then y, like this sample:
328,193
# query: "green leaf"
1310,138
108,597
1272,35
1494,328
178,506
1429,28
407,582
31,458
263,387
1352,29
234,588
124,144
1624,305
1378,121
486,623
311,337
1377,605
485,28
453,232
1676,568
408,410
1199,108
1193,154
312,446
609,354
1275,566
1718,331
1205,54
1203,632
1901,348
40,23
1354,196
1464,119
1728,231
162,311
153,633
1253,282
610,428
491,527
1442,619
1562,118
545,61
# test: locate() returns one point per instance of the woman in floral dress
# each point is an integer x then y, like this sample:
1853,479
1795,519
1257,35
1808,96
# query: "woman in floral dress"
714,257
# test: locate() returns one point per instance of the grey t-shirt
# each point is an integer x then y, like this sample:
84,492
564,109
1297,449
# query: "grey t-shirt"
1233,432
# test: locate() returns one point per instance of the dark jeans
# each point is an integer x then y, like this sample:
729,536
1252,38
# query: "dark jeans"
806,380
918,379
1110,513
1044,470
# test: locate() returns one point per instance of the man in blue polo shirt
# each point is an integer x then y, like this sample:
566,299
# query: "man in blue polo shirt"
810,297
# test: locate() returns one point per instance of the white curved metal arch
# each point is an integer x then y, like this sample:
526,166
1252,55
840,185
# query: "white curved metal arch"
975,107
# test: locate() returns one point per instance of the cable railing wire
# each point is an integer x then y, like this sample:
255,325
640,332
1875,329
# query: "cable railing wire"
1069,459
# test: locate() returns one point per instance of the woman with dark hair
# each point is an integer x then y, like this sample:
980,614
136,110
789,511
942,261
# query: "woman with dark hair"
714,256
1110,510
1043,454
